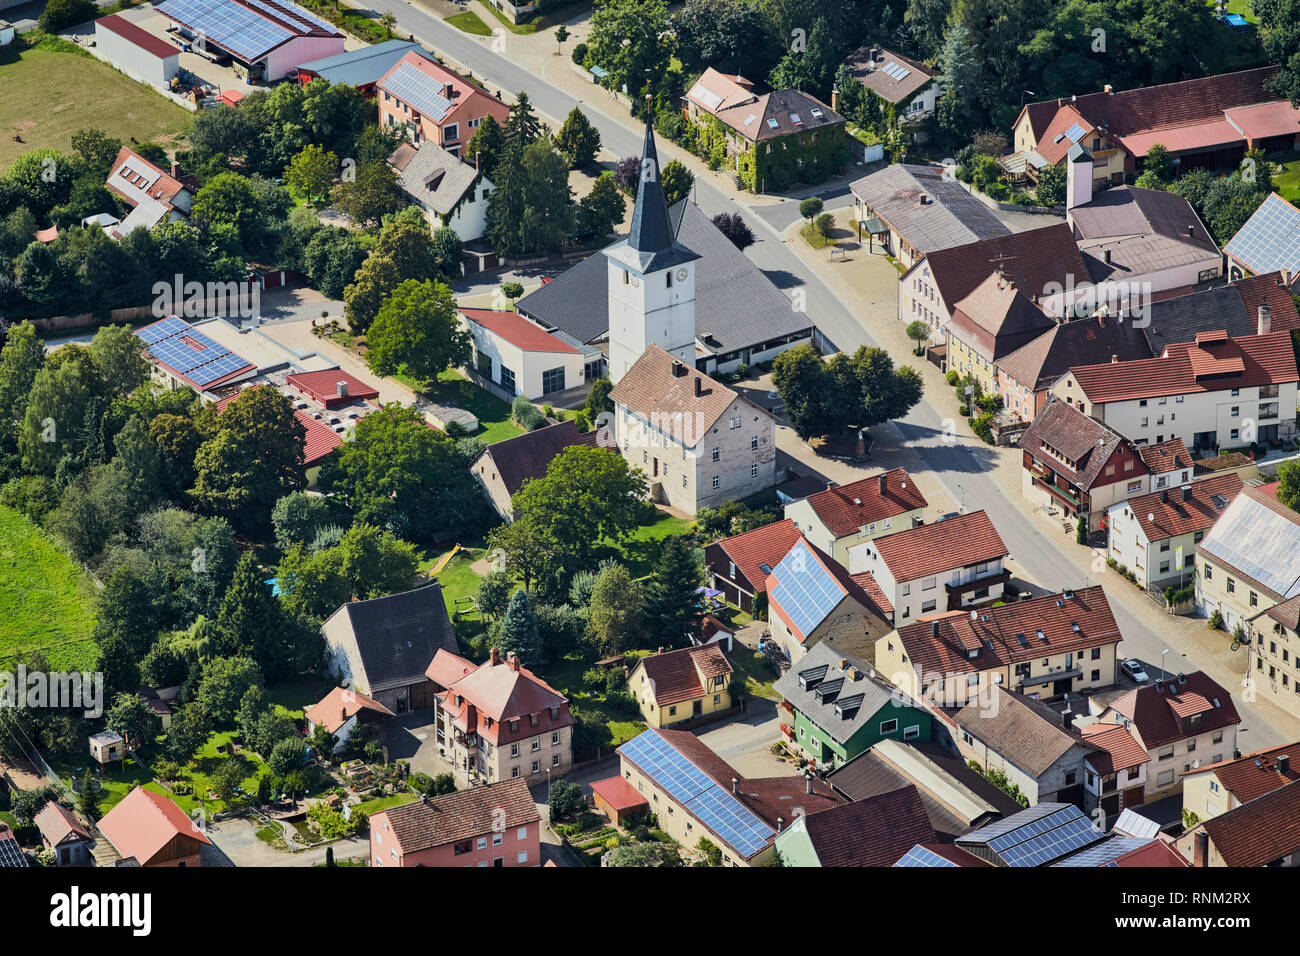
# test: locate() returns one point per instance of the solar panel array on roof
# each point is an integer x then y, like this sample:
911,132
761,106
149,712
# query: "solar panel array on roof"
923,856
896,70
243,32
699,793
1074,133
189,352
1104,854
305,17
11,854
1039,842
1134,824
805,590
1270,239
419,90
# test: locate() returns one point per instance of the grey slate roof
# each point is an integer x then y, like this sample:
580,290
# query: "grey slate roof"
432,176
1179,319
1020,730
364,66
1145,230
950,217
735,301
397,636
824,661
651,242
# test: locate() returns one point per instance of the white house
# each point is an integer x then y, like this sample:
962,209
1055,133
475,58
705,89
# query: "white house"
519,356
138,53
945,566
450,191
900,82
1216,392
841,516
1155,535
339,711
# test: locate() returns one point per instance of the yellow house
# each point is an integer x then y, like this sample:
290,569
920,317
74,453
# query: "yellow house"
991,323
675,686
1221,787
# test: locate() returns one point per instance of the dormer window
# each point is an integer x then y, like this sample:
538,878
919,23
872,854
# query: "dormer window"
514,726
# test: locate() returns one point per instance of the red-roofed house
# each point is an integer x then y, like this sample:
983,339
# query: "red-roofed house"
1183,723
957,563
135,51
1204,392
496,825
1115,773
499,720
520,357
341,710
739,565
434,104
1264,831
844,515
332,387
154,195
618,799
153,830
691,683
1221,787
319,442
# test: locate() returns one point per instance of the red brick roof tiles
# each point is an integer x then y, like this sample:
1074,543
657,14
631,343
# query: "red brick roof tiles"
845,509
679,675
1119,750
1155,711
761,546
928,549
1160,518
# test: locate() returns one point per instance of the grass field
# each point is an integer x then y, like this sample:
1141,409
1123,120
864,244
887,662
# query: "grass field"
470,22
46,96
492,413
45,601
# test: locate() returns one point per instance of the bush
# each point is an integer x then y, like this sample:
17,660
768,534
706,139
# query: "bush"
579,53
824,224
1216,621
952,378
615,680
593,678
526,415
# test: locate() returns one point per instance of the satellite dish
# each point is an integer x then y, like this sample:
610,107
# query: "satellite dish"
1151,516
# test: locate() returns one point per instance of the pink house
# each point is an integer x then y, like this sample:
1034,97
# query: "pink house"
494,825
435,104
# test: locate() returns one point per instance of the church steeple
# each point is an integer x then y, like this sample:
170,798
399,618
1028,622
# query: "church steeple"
650,232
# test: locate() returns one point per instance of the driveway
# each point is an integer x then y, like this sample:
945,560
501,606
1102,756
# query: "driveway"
235,843
411,736
745,740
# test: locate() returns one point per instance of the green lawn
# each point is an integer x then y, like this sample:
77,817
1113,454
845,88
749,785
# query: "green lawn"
470,22
46,96
458,578
384,803
1286,182
45,600
292,697
492,413
641,549
758,671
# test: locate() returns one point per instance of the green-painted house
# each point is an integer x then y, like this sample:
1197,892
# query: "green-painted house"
833,707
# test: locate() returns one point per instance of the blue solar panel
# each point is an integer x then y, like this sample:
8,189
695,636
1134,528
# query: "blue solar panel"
203,365
1039,842
244,32
1074,133
160,330
697,792
1270,239
419,90
1104,854
921,856
805,590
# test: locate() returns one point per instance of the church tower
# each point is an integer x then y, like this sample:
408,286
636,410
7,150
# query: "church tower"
651,279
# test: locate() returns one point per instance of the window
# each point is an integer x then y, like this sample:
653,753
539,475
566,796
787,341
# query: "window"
514,750
553,380
537,766
1096,675
888,726
753,471
912,732
523,856
508,380
929,584
1166,777
753,441
555,737
1070,778
1254,599
537,745
497,838
521,833
1164,753
451,132
1232,586
927,607
482,843
733,422
514,773
555,760
717,482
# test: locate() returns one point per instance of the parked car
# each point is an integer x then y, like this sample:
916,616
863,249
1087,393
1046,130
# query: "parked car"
1133,668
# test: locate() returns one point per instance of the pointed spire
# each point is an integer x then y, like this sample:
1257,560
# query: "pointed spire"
650,231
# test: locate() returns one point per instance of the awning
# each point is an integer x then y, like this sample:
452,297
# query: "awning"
874,227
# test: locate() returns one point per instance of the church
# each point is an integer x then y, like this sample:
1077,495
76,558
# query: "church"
699,442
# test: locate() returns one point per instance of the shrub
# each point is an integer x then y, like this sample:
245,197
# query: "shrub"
952,378
593,678
615,680
1216,621
824,224
579,54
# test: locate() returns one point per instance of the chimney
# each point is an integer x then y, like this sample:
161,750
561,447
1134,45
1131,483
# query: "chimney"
1286,278
1101,319
1265,324
342,389
780,823
1160,684
1283,764
1201,853
1164,495
1078,179
934,629
1110,90
844,663
514,661
1105,255
176,170
1191,231
735,785
699,387
835,99
659,650
884,485
1067,718
1114,359
678,369
808,783
495,656
1187,492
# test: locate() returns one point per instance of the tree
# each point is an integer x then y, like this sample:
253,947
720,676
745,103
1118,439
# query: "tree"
526,550
1279,22
250,622
523,128
811,207
731,36
22,357
494,593
578,140
448,250
859,390
733,226
565,799
586,495
388,20
632,40
287,756
485,147
403,251
518,633
1081,530
298,516
131,717
58,15
187,732
627,174
918,332
601,209
310,174
418,331
1288,489
375,562
399,473
810,68
1051,186
96,151
253,460
598,399
225,682
221,131
616,616
531,207
323,742
677,181
331,259
254,213
369,194
645,854
673,604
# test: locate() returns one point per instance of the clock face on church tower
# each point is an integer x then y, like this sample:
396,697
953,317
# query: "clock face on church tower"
681,275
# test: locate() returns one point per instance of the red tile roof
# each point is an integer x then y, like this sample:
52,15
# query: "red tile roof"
145,822
766,545
1255,290
849,587
868,583
845,509
57,823
1164,514
678,675
948,651
1258,832
1155,711
1119,750
496,692
518,331
138,37
1192,367
1166,455
618,793
437,821
1156,853
333,710
1054,144
165,188
319,443
323,386
928,549
877,831
1255,774
651,389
